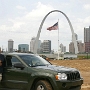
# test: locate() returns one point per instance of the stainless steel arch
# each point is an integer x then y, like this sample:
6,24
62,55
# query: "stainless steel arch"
39,31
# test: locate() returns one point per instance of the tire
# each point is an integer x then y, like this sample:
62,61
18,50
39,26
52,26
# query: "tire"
43,85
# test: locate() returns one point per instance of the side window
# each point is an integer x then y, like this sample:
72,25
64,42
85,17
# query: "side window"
8,61
11,60
14,60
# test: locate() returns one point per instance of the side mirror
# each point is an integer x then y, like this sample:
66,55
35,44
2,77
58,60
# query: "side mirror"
19,65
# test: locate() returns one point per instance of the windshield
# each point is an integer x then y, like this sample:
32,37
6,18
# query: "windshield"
32,60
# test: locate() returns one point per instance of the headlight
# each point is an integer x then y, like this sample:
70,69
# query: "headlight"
61,76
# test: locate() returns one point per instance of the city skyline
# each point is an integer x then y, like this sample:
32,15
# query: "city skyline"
45,44
20,20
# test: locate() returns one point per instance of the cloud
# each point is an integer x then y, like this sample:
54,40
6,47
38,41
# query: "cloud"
31,20
21,7
26,23
87,20
22,28
79,24
40,11
87,6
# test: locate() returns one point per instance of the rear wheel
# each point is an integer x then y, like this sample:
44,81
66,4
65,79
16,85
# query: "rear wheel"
43,85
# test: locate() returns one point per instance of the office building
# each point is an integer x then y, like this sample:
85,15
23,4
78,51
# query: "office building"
81,47
39,47
46,46
62,48
71,47
32,44
87,39
10,45
23,48
87,34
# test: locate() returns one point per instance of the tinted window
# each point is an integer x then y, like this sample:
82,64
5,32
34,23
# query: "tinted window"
32,60
14,60
11,60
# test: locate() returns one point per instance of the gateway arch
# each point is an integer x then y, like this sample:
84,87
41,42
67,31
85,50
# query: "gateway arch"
39,31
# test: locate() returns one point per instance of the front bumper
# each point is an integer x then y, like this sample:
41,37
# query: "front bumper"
69,85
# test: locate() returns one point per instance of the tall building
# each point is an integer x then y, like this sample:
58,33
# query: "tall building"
23,48
39,47
81,47
71,47
87,47
10,45
87,34
39,44
46,46
63,48
87,39
32,44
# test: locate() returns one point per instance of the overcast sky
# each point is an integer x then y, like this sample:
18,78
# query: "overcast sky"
20,20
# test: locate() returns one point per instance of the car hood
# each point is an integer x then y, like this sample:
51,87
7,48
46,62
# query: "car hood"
57,68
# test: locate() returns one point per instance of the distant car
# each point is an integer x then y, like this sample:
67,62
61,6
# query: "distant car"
31,72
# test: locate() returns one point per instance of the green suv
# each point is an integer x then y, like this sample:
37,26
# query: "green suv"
25,71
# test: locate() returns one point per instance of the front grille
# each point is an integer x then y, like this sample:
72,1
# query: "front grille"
73,76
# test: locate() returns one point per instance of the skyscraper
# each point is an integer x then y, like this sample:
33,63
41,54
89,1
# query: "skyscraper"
63,48
71,47
32,44
46,46
87,39
10,45
87,34
81,47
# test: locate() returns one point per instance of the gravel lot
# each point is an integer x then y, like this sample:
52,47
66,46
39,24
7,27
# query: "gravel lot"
82,65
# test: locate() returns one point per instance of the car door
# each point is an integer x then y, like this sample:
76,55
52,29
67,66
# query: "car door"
15,78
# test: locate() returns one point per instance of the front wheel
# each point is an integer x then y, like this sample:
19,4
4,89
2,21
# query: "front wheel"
43,85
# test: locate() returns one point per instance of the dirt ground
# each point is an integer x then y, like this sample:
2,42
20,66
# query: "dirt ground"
82,65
